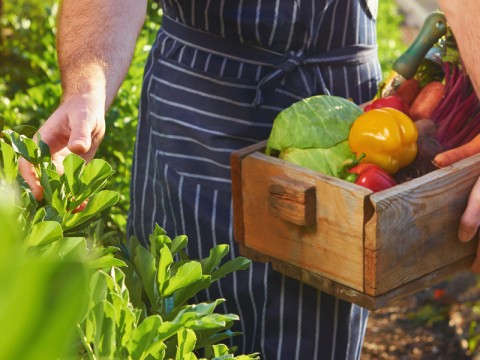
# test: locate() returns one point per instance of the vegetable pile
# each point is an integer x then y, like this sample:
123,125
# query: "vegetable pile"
428,120
443,104
332,135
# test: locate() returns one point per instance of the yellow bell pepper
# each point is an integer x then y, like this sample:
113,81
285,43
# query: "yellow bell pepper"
386,136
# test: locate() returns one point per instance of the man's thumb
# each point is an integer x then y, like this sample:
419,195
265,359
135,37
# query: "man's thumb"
80,140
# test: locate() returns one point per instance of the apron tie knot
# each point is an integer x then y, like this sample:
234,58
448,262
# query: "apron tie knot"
291,61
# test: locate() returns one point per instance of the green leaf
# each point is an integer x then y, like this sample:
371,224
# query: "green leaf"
30,206
320,121
185,276
92,179
51,214
71,249
43,233
179,243
73,166
26,147
97,203
212,321
26,130
206,338
145,339
2,123
239,263
98,287
144,263
44,148
157,242
134,285
200,309
181,296
186,344
215,257
163,271
52,186
101,257
40,303
8,163
102,320
10,231
327,161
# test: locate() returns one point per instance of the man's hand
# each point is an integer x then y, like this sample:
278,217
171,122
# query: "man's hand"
470,222
461,14
77,126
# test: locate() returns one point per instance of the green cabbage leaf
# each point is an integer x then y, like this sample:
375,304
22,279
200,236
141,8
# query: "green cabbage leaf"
313,133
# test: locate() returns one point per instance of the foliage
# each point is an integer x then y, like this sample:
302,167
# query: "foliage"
29,93
33,92
389,36
65,295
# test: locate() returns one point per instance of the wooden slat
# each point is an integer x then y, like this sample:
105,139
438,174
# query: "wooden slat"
332,247
353,295
237,195
414,230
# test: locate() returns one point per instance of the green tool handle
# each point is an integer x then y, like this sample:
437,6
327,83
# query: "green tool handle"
434,27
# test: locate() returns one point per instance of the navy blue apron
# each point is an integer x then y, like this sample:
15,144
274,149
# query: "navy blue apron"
217,76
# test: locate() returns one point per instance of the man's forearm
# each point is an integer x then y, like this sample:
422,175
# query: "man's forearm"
96,40
462,17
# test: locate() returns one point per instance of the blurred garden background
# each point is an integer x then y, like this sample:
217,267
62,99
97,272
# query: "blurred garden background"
30,91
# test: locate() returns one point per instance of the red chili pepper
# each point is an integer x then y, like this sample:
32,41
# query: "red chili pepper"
372,177
391,101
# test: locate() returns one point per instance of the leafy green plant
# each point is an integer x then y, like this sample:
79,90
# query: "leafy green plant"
75,293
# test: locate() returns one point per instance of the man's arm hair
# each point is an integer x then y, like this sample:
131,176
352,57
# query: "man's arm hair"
95,44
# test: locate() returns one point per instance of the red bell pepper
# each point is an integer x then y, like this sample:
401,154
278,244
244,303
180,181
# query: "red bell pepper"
372,177
391,101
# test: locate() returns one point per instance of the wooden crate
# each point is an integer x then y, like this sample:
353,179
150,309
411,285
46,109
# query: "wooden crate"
367,248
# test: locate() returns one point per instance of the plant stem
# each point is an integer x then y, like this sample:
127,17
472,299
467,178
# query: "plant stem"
90,353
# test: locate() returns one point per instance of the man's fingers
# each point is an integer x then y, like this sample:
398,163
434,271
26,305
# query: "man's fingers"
468,227
476,263
471,217
30,176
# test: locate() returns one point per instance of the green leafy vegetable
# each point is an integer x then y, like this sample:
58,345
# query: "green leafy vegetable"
313,132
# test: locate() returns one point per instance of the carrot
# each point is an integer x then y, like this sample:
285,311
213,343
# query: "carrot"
464,151
408,91
427,100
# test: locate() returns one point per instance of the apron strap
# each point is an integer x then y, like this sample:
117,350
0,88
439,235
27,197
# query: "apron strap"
282,64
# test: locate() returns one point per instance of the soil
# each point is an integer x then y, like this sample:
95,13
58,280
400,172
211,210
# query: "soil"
434,324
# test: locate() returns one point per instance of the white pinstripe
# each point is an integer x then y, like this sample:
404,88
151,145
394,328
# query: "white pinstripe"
280,319
317,325
195,141
275,22
239,21
163,118
299,322
334,330
208,113
169,196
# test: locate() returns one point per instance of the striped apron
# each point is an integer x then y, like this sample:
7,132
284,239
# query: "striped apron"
218,74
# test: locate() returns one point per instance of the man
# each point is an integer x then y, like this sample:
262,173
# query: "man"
218,74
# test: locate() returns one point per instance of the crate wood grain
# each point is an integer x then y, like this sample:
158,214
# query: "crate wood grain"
368,248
